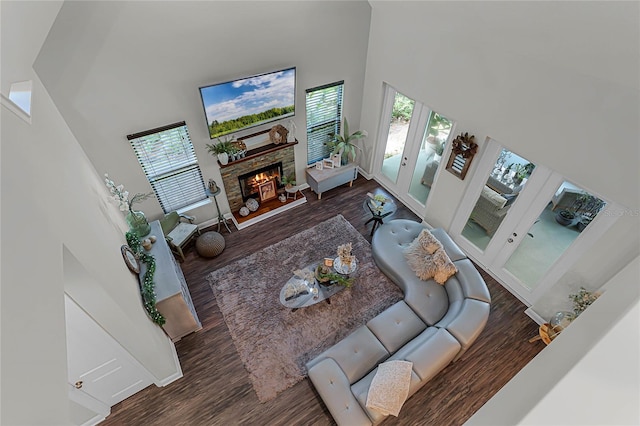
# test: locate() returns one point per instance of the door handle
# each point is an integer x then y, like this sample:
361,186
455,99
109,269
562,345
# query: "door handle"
404,164
509,240
515,235
78,384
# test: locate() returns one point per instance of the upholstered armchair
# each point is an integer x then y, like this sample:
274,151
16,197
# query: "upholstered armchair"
178,233
490,210
429,173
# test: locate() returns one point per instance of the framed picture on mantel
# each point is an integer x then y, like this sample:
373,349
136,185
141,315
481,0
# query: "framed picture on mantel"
267,190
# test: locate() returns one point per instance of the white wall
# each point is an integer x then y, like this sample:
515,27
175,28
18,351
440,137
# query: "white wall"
116,68
52,198
587,376
555,82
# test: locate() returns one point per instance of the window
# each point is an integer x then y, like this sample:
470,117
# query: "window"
168,159
20,94
324,114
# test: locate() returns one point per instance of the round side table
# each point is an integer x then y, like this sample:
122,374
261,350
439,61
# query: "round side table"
292,192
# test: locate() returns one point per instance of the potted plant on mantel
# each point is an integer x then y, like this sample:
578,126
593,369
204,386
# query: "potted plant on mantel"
222,149
343,144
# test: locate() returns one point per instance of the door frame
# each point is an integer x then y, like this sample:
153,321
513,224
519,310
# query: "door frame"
419,121
527,207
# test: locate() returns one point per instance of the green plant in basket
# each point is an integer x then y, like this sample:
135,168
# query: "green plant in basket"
325,276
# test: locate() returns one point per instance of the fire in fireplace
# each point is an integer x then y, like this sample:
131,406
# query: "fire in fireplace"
249,182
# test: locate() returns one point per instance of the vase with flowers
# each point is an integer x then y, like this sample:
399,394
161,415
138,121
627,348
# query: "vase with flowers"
346,262
582,300
137,221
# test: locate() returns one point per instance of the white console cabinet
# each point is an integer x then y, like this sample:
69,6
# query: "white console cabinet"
173,299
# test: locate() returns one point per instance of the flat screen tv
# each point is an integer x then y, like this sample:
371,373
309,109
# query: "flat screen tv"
248,102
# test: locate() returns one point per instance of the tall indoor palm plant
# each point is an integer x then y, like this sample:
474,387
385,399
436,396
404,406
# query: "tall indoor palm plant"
343,144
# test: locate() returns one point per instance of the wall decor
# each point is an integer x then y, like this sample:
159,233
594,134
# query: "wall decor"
463,148
278,134
267,190
130,259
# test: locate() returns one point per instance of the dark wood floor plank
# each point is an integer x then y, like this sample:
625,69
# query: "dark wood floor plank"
216,390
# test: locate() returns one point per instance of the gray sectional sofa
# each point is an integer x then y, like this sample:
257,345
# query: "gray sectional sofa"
433,326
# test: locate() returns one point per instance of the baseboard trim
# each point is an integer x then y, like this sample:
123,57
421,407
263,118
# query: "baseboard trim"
95,420
534,316
367,176
177,375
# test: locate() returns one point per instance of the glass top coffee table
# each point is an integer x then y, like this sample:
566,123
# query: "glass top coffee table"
300,292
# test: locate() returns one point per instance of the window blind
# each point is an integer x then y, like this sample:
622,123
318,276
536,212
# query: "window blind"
324,115
169,161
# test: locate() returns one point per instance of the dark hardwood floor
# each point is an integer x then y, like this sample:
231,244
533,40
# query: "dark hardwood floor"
216,390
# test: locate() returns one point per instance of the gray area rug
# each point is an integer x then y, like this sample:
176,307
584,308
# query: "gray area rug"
273,342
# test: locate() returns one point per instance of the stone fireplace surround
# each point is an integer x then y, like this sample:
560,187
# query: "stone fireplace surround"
254,160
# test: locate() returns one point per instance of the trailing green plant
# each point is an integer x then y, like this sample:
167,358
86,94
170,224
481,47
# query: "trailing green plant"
343,144
222,146
147,288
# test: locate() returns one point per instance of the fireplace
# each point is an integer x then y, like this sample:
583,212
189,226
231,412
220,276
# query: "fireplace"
241,180
249,182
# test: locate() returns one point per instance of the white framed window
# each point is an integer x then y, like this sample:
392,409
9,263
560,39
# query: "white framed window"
169,161
324,115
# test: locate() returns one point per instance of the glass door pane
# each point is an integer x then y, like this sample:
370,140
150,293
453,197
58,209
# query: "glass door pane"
508,178
568,213
397,137
429,156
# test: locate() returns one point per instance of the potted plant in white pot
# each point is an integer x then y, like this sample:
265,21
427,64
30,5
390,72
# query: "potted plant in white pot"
344,144
222,149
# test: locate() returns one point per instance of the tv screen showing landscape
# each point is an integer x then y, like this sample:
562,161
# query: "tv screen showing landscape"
248,102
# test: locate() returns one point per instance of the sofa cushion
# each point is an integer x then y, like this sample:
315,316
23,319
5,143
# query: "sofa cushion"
444,266
422,264
361,391
469,322
493,197
425,243
450,247
396,326
433,354
390,387
356,354
334,389
427,299
388,245
473,286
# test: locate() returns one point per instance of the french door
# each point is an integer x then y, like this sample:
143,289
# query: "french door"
409,154
509,222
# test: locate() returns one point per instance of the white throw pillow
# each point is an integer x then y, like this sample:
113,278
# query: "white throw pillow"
390,387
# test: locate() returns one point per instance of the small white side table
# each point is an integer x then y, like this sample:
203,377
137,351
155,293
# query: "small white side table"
221,218
292,192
